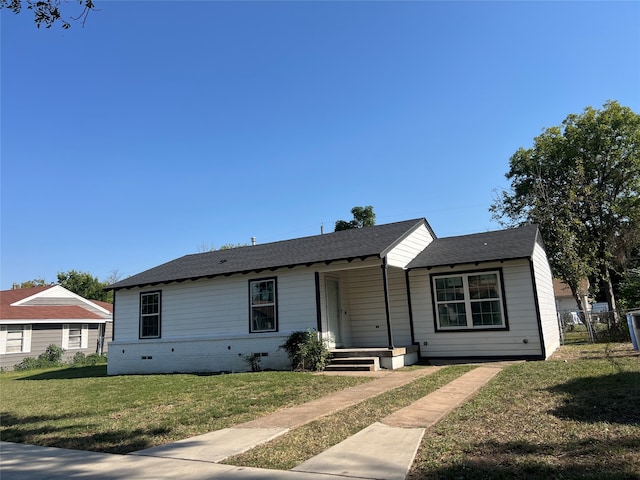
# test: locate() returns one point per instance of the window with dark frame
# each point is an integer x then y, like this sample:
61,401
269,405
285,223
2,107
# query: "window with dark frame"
469,301
150,315
262,305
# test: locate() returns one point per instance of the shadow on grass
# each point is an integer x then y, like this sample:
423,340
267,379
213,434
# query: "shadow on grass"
588,458
608,398
34,430
94,371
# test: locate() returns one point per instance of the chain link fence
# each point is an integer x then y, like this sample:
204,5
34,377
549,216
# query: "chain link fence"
601,327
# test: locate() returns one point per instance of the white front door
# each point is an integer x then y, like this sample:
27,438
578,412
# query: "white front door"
334,312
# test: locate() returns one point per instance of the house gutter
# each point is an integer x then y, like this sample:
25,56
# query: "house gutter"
387,310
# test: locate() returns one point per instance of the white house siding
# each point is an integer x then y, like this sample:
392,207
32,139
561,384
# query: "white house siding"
367,317
520,306
205,324
546,301
410,247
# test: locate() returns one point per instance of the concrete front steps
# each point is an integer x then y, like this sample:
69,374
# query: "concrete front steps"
353,364
372,359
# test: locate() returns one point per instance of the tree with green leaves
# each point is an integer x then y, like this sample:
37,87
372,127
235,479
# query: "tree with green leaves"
36,282
580,182
85,285
362,217
47,12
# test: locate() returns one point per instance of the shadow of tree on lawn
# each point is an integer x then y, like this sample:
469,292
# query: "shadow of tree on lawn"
609,398
94,371
584,459
35,430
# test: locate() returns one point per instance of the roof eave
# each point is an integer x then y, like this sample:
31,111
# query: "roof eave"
242,272
475,263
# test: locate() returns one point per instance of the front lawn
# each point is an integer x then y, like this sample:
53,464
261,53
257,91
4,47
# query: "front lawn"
576,416
83,408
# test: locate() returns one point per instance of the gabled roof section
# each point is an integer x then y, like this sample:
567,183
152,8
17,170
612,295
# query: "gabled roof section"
49,303
479,247
362,243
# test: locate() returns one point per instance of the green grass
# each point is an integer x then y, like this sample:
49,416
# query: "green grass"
83,408
574,417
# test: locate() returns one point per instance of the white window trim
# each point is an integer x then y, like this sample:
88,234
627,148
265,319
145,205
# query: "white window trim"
467,301
26,339
84,337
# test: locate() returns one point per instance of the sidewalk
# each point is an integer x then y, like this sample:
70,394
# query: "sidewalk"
384,450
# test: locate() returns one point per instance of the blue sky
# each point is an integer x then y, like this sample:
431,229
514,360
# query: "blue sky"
163,127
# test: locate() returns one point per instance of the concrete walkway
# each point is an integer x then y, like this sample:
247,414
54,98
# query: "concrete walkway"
384,450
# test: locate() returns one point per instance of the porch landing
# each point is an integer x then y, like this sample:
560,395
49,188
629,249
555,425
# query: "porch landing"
372,359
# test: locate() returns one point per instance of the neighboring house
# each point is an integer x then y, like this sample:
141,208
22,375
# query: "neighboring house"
33,318
565,301
392,287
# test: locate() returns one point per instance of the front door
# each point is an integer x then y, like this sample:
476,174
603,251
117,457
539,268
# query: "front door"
333,312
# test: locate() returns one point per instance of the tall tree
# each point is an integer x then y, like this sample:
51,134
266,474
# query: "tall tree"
47,12
580,183
85,285
362,217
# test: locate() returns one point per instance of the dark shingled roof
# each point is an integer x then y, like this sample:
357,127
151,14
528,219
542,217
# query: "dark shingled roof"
479,247
330,247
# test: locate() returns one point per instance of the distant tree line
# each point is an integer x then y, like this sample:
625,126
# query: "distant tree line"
80,283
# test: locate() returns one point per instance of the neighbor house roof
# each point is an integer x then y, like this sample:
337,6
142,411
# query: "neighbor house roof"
479,247
561,289
343,245
23,304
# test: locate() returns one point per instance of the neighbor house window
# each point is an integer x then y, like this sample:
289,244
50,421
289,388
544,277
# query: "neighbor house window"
150,315
469,301
75,336
262,305
15,339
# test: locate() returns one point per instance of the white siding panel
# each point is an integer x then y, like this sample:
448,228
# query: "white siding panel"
546,301
410,247
521,339
207,322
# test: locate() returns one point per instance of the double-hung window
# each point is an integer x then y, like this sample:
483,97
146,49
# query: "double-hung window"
469,301
75,336
263,311
150,314
15,339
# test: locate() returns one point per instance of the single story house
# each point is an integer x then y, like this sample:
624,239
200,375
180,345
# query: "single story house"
565,301
33,318
395,288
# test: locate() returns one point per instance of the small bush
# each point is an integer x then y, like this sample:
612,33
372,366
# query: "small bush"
254,361
52,354
51,357
82,360
307,351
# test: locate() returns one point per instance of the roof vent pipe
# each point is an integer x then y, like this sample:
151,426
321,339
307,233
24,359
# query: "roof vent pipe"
253,240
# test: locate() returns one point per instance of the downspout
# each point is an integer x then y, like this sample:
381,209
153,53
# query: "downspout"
386,301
